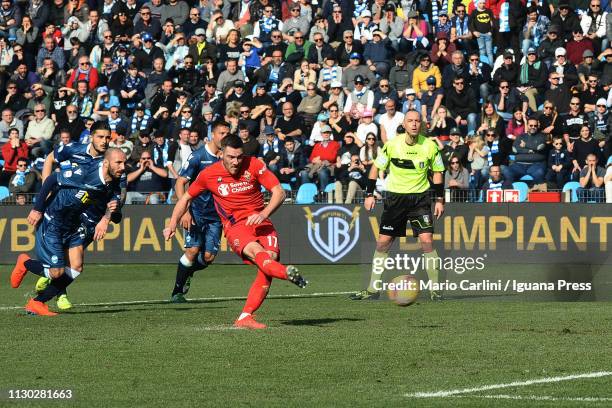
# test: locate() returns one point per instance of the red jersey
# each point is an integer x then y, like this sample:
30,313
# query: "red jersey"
236,197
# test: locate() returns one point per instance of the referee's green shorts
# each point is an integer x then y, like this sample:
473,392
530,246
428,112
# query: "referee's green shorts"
399,209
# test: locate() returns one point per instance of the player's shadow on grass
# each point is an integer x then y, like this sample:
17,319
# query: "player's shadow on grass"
140,309
318,322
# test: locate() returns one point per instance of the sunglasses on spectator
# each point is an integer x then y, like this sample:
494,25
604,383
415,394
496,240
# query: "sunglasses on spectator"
318,40
114,111
592,81
71,111
195,14
84,63
348,36
11,87
295,9
490,134
39,110
533,126
310,89
21,165
601,106
267,10
245,111
145,13
574,103
459,83
276,36
474,59
384,85
186,110
455,162
548,107
595,6
370,138
555,78
298,37
558,144
460,10
504,87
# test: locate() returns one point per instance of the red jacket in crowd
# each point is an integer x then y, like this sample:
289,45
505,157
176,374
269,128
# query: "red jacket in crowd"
10,155
328,152
91,76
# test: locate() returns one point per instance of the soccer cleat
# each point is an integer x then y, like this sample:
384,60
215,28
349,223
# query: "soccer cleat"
19,271
293,275
249,323
34,307
63,303
435,296
42,283
178,298
187,286
365,295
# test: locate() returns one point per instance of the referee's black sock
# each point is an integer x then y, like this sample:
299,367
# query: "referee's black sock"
56,287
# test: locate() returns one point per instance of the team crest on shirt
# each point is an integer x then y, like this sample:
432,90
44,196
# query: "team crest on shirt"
333,230
247,175
223,189
422,165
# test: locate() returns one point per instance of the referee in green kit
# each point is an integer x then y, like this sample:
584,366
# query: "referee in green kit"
407,159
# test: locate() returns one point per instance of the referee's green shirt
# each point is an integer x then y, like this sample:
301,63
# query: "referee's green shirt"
407,166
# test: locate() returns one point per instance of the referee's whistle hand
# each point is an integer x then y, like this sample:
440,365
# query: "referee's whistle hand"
369,203
438,210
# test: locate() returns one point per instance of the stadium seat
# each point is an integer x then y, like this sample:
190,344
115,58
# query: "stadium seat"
306,193
523,190
485,60
4,192
526,177
329,189
572,186
286,186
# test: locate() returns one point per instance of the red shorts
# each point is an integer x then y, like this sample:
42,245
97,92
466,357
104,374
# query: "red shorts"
240,235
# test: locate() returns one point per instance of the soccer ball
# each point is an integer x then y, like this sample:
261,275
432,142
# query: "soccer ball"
403,290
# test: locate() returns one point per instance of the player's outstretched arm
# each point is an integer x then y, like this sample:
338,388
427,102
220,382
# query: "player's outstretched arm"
179,209
48,166
277,199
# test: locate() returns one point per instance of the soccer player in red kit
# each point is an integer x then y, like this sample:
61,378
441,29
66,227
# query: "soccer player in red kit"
235,183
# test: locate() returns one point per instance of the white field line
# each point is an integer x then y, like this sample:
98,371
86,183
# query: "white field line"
539,398
449,393
204,299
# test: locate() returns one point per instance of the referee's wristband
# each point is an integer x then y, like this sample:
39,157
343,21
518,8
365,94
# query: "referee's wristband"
438,190
370,187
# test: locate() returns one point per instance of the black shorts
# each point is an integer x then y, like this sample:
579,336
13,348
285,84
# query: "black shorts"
401,208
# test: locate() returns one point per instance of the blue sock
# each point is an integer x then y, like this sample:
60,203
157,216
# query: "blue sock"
35,266
56,287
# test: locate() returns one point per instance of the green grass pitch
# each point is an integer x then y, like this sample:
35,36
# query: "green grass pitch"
323,351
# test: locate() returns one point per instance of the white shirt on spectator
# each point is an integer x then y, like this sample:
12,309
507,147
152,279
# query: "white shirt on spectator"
363,130
391,123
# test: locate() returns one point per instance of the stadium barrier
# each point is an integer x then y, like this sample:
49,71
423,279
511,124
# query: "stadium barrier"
321,234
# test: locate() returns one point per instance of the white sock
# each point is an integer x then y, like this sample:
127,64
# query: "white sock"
47,275
71,272
185,261
243,315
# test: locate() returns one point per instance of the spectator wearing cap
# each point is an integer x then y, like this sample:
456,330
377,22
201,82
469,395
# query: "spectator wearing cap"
400,75
593,24
600,121
422,72
592,92
455,148
141,122
268,23
568,75
578,46
392,26
535,29
292,161
414,36
356,69
335,96
320,27
547,50
366,125
322,120
322,160
530,154
586,68
295,22
270,149
411,102
442,24
482,25
365,27
461,102
201,49
360,97
262,98
442,50
148,21
532,78
508,71
567,21
143,57
347,47
430,99
377,54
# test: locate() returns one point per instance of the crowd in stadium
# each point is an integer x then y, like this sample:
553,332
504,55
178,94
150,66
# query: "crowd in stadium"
509,90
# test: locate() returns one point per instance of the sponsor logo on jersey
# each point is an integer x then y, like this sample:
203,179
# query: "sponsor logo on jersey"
223,189
333,230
